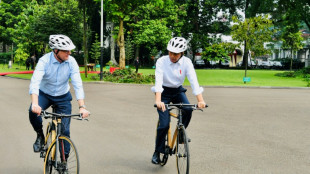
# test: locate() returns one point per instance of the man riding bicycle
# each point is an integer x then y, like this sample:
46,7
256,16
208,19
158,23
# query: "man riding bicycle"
170,73
50,86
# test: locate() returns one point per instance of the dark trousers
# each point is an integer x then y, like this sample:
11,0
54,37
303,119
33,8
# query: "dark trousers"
174,95
63,105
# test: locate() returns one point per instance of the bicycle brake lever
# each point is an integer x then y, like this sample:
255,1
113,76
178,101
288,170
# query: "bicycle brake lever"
82,119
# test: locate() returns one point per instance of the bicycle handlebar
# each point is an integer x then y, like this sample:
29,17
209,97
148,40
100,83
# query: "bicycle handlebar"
194,106
47,115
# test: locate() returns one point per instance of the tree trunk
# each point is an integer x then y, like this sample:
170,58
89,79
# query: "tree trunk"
121,44
245,51
85,40
291,67
113,46
137,53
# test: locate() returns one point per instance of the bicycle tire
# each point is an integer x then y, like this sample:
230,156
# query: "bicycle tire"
164,157
48,136
70,165
182,152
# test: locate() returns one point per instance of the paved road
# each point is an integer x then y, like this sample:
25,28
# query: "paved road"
244,131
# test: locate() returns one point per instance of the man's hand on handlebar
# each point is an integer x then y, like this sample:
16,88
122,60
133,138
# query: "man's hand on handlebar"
160,105
201,104
85,113
36,109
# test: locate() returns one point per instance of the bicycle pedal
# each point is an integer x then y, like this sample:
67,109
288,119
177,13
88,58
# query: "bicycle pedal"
42,154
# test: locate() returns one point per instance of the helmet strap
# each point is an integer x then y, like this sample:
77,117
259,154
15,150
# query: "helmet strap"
179,58
56,53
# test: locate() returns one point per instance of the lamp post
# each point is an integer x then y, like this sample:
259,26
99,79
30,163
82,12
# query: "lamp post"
101,41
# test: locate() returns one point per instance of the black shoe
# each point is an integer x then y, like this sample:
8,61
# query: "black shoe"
155,158
66,157
38,144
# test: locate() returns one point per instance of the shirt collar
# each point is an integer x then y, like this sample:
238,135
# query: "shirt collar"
180,62
54,60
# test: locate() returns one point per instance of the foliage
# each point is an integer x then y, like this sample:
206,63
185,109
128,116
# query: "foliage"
129,49
5,56
296,64
255,32
286,74
109,63
219,51
38,21
304,72
121,10
288,11
154,51
128,76
292,40
214,52
9,12
205,17
21,54
153,25
95,51
307,79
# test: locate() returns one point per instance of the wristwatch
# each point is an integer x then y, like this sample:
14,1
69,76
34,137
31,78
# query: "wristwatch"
83,106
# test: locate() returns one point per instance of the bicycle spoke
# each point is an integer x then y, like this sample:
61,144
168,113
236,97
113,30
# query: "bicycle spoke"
182,154
64,165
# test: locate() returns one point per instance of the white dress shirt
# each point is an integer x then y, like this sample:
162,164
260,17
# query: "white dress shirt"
172,75
52,77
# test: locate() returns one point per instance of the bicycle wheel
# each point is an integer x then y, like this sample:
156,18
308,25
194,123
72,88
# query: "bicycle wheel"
182,152
48,136
67,160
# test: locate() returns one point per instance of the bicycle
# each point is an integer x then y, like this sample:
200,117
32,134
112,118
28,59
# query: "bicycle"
55,145
178,143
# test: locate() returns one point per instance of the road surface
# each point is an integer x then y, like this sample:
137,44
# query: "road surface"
244,131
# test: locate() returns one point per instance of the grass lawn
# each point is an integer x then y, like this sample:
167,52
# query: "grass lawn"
208,77
226,77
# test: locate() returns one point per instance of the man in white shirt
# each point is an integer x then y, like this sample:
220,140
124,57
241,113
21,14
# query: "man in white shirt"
170,74
50,86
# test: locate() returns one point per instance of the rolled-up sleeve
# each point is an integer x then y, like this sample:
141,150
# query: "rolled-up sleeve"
37,77
192,78
158,77
77,81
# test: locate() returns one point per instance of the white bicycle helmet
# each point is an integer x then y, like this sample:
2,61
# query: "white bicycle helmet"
61,42
177,45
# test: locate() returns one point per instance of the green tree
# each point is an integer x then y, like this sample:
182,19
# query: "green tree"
292,41
254,32
129,49
294,11
121,9
251,9
206,17
214,52
152,26
86,7
9,11
95,51
38,21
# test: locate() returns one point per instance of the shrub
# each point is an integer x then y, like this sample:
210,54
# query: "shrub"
128,76
286,74
304,72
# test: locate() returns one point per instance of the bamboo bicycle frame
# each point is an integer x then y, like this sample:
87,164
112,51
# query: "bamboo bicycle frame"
171,141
